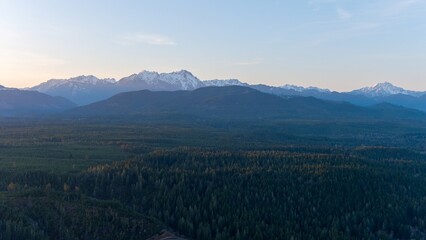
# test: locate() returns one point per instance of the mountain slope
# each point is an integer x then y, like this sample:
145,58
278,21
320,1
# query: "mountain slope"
14,102
232,102
407,101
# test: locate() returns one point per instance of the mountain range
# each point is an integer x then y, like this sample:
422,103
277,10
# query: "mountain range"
51,96
88,89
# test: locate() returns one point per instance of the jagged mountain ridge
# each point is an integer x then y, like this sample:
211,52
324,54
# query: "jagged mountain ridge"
88,89
182,80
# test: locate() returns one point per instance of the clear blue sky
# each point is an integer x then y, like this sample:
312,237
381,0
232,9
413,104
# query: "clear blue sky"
337,44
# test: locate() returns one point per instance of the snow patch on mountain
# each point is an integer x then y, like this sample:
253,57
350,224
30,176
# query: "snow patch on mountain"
76,83
223,83
145,76
303,89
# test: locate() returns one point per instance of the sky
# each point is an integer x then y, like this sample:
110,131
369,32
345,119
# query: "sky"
335,44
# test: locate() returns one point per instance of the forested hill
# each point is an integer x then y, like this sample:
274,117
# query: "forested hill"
233,102
14,102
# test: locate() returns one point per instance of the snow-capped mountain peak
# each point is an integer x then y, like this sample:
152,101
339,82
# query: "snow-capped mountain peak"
184,78
181,80
381,90
387,88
